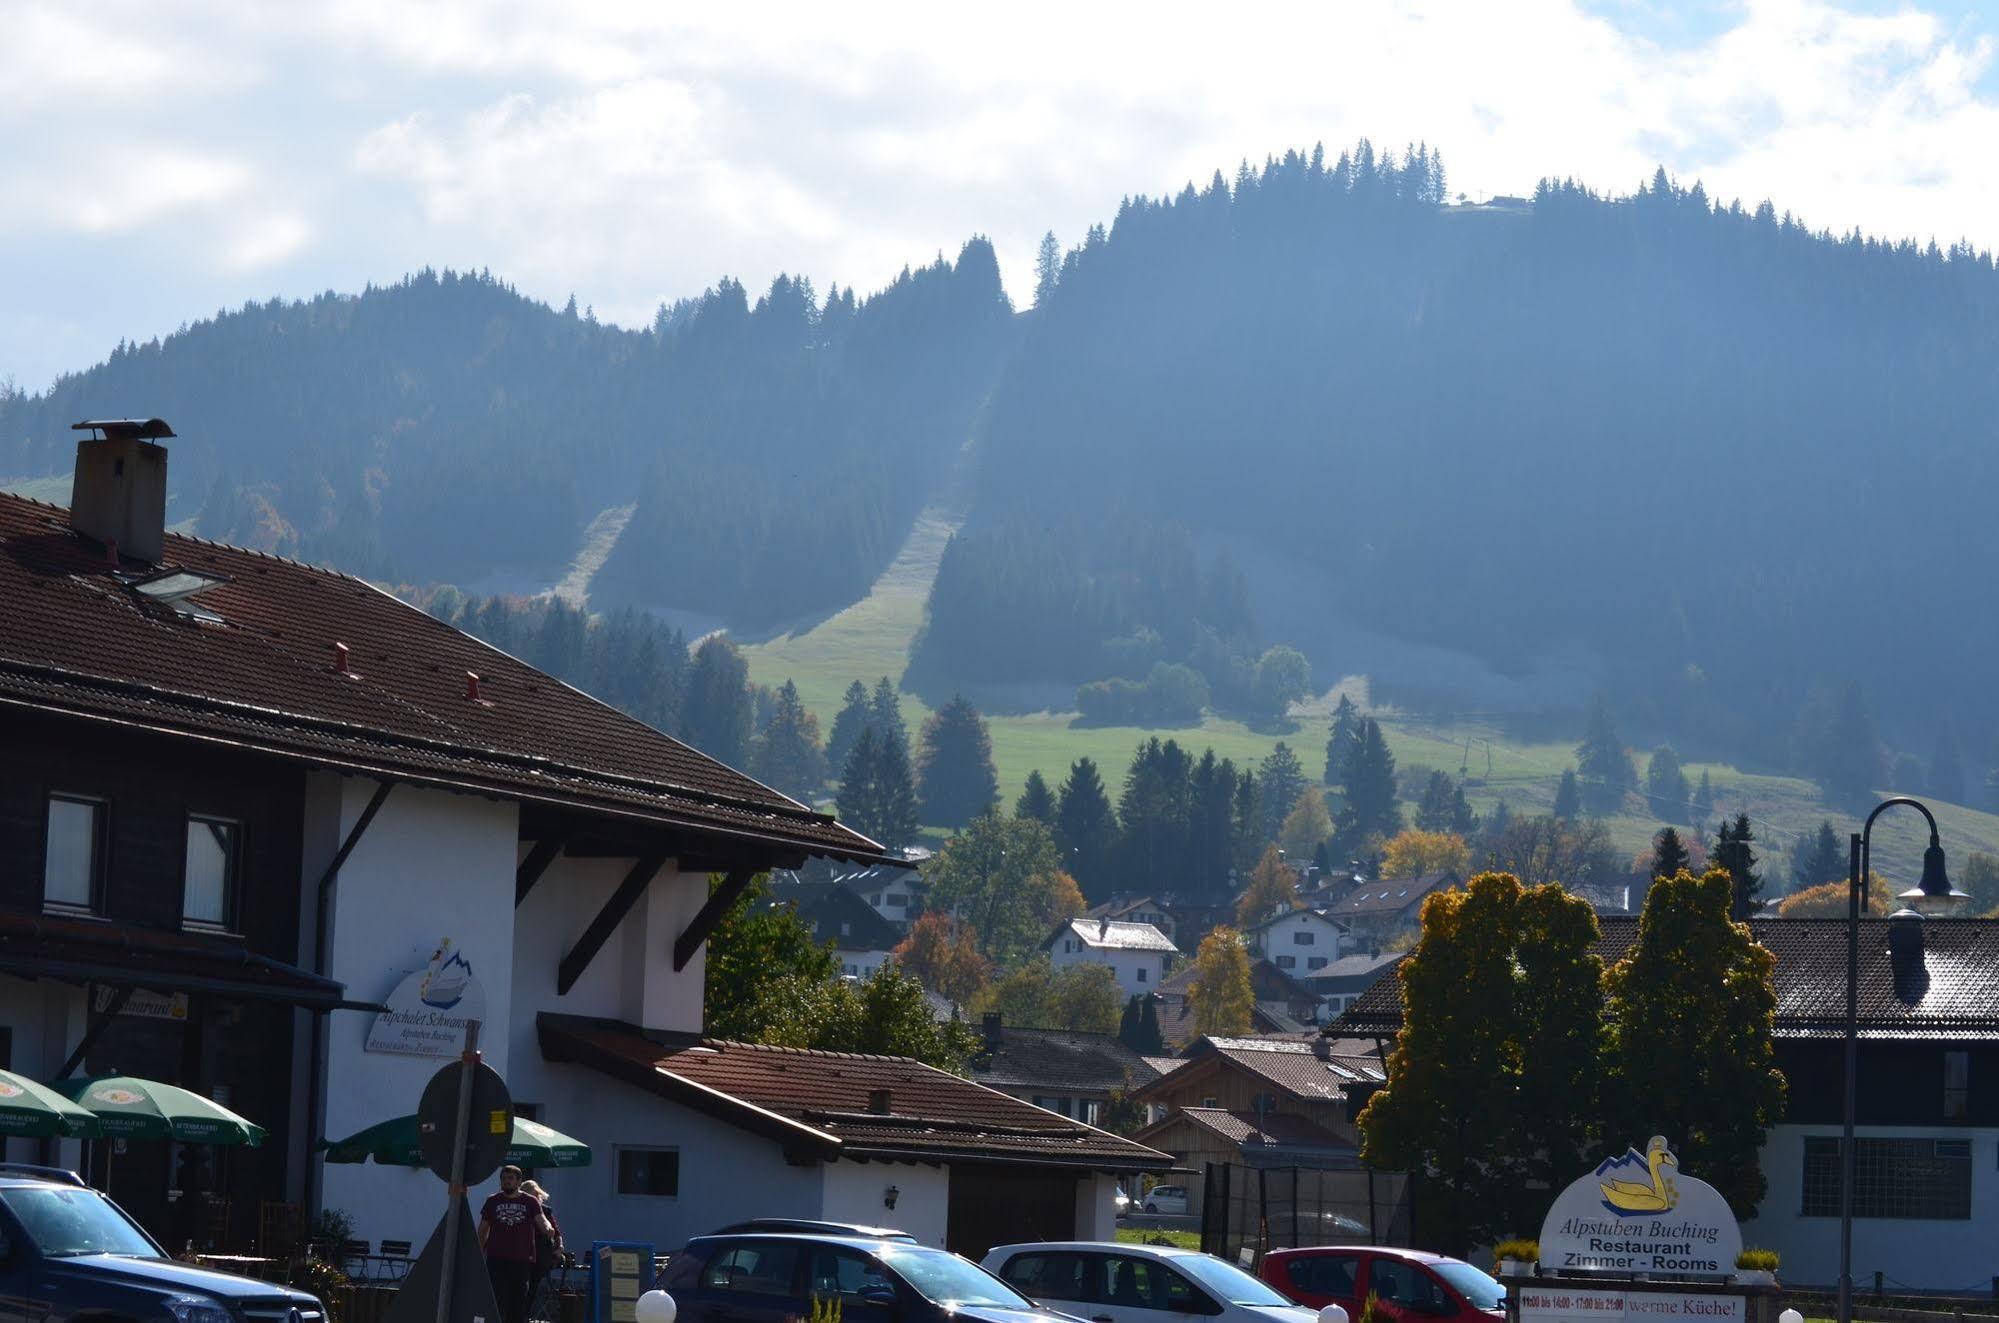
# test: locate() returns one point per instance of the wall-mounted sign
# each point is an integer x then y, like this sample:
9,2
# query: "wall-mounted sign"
428,1009
1638,1213
146,1005
1562,1304
622,1273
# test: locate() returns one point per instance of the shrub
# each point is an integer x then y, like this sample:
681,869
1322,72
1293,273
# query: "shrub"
1527,1251
1757,1260
1370,1311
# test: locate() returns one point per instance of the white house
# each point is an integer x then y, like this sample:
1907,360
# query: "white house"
1298,941
1135,952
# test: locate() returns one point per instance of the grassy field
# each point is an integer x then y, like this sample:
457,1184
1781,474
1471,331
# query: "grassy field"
1145,1236
872,639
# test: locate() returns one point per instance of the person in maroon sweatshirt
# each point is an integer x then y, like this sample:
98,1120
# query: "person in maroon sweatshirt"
508,1224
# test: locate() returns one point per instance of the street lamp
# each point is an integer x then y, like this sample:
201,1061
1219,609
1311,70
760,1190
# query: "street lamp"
1934,895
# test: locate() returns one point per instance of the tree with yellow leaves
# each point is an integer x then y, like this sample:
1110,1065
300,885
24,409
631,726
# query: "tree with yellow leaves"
1273,886
1828,900
1220,993
1415,852
1308,824
943,955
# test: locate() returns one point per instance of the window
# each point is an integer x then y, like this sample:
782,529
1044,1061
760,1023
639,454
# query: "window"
1407,1285
1068,946
897,899
1315,962
1287,962
1907,1178
765,1268
1060,1106
73,862
1303,938
1091,1111
1047,1276
1136,1283
1325,1274
650,1171
213,845
844,1273
1956,1086
1141,973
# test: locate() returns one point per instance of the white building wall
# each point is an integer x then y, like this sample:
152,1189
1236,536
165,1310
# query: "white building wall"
432,865
1925,1253
860,964
853,1192
47,1020
1096,1208
1279,940
1125,965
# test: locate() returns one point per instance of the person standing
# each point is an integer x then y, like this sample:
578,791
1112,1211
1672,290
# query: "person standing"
547,1244
508,1224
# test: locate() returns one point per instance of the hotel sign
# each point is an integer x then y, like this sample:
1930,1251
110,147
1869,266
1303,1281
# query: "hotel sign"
428,1009
1639,1214
1564,1304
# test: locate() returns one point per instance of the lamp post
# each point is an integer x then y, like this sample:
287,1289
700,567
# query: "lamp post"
1934,895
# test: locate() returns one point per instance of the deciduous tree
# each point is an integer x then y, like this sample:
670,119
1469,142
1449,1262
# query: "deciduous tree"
943,954
756,943
1416,853
1307,826
1220,994
1084,998
1828,900
1272,887
1004,877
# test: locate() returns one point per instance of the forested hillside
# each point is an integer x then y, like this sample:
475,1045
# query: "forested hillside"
447,429
1714,449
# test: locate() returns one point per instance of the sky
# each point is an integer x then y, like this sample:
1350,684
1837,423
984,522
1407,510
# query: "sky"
160,161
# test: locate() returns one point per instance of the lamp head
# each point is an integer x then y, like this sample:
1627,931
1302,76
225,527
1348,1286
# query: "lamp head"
1934,896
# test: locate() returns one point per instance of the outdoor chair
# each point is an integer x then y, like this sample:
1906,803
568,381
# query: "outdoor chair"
395,1260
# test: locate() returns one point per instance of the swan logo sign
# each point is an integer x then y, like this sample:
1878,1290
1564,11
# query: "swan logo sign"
428,1009
1639,1213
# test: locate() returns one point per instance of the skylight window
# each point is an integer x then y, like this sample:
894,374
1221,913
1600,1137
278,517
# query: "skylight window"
177,589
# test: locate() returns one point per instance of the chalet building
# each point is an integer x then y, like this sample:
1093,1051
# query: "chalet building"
1926,1191
271,834
1298,942
1283,1004
1067,1071
862,940
895,891
1340,984
1378,909
1137,909
1135,952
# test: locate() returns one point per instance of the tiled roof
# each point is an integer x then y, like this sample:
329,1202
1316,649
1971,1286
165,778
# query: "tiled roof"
1266,981
1177,1026
1952,994
1247,1128
1165,1065
1357,966
1061,1059
831,907
74,640
1109,935
1276,919
817,1104
1375,898
1297,1068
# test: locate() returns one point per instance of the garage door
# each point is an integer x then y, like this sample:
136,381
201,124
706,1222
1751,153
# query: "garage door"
1003,1206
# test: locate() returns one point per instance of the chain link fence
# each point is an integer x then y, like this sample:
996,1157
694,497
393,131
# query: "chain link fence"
1248,1210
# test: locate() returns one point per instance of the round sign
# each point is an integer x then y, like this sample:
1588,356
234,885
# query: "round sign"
488,1128
117,1097
10,1090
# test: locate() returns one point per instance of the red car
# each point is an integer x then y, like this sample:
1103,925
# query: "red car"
1409,1286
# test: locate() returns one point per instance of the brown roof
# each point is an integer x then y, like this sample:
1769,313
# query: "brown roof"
1267,982
1177,1025
1951,994
1294,1067
1377,897
76,641
816,1104
129,956
1275,1129
1022,1058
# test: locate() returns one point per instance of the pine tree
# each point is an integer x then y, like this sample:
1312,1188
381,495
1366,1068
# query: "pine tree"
1669,856
1036,800
1819,858
885,713
719,710
1947,768
1602,764
1341,741
788,756
955,766
1568,797
847,726
1154,816
1734,856
1211,793
876,796
1281,777
1703,803
1047,268
1437,809
1369,810
1086,830
1138,1027
899,820
1666,788
1848,755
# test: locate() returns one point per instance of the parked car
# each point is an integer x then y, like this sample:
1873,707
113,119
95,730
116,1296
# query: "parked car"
1408,1285
76,1255
1166,1199
768,1278
811,1228
1112,1282
1121,1201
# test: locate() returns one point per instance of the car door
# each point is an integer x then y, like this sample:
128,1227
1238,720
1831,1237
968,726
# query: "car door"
16,1279
756,1281
1134,1288
850,1277
1407,1292
1322,1279
1058,1279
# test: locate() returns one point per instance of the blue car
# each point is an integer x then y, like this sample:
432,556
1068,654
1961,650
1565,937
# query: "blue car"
774,1278
69,1254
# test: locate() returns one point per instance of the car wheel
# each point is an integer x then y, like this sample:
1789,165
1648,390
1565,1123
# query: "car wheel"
1152,1208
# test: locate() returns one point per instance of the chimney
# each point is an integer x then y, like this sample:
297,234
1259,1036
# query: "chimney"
993,1030
1103,927
1905,938
881,1102
119,496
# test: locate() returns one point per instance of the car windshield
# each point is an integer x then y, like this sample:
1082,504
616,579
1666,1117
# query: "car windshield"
946,1279
67,1222
1482,1291
1228,1281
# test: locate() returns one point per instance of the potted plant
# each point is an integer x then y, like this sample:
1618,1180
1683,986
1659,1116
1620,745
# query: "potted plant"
1756,1267
1517,1258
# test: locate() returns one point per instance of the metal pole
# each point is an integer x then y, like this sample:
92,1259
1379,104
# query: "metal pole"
466,1060
1856,880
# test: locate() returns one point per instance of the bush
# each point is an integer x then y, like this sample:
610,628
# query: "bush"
1757,1260
1527,1251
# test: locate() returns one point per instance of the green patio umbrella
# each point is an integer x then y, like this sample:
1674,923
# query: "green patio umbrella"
35,1110
129,1107
395,1144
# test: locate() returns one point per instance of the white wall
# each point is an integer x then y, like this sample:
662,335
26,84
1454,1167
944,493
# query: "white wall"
1124,964
1096,1207
1924,1253
48,1021
432,865
860,964
853,1193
